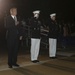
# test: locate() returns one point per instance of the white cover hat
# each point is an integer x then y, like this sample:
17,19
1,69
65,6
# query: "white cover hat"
36,12
51,15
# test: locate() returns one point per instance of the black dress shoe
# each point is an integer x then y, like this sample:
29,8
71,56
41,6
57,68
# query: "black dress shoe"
35,61
16,65
10,66
53,57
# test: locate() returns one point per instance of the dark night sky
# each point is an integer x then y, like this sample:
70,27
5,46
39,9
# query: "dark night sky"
63,8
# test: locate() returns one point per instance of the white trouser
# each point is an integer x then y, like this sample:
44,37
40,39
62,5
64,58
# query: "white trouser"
52,47
35,46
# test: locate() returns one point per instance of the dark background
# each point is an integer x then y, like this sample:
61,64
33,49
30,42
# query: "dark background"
65,10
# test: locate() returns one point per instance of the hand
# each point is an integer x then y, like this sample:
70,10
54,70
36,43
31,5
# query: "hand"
20,37
17,23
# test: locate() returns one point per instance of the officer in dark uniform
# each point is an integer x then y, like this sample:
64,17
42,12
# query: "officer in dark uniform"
35,38
53,34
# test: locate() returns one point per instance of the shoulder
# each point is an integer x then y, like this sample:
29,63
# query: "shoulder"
8,17
31,18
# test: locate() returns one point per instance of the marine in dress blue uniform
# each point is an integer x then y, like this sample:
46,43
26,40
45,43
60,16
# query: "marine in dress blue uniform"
53,34
35,38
